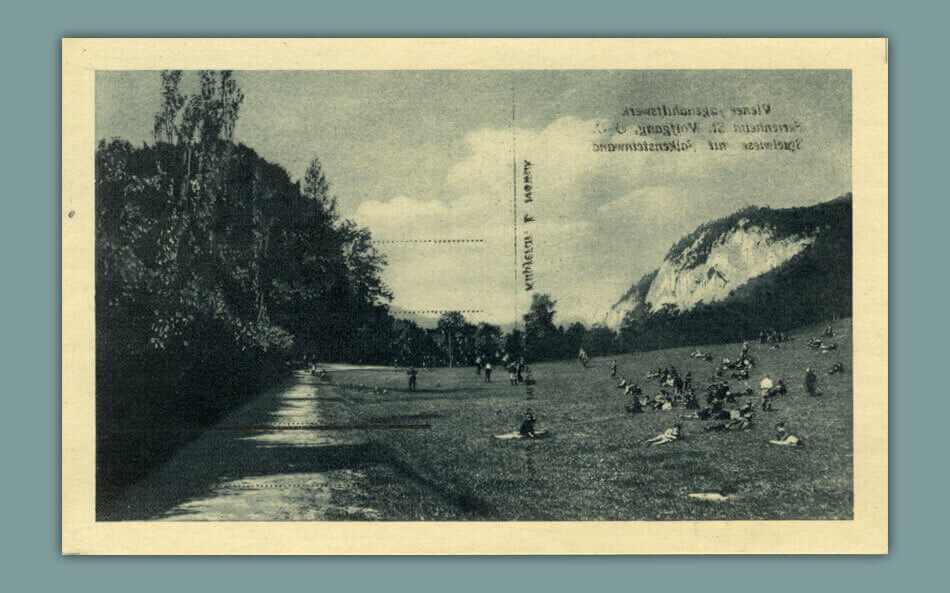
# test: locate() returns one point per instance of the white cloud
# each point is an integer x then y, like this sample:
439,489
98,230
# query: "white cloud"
585,203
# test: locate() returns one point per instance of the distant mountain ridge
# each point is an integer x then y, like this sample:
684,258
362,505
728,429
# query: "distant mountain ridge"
759,267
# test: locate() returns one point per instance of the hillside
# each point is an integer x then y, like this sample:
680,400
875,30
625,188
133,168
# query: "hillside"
757,268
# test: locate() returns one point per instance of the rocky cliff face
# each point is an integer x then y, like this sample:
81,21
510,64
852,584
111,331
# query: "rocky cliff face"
762,256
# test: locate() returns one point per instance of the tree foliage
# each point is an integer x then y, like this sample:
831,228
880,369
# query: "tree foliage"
214,270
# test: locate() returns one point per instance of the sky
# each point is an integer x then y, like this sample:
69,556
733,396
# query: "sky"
418,155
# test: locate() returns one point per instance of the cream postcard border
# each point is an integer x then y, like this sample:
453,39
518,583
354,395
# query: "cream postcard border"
865,534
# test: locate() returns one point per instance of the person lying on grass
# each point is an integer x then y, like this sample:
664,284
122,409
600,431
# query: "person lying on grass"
784,438
740,423
714,410
671,434
663,401
718,412
742,412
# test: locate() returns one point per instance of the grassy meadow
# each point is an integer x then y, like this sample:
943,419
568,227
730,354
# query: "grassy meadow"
595,466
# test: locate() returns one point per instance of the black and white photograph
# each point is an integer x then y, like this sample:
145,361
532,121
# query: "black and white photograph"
535,297
477,295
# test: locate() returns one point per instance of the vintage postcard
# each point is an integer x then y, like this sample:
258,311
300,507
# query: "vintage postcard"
474,296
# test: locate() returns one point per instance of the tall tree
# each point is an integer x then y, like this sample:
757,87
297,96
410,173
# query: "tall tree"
166,120
317,188
452,324
488,339
541,336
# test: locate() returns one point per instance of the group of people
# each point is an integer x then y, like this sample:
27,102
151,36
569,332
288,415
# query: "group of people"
516,369
516,372
670,378
824,347
739,367
783,437
675,390
772,337
319,373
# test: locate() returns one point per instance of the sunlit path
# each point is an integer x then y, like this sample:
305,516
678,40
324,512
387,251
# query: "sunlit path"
264,462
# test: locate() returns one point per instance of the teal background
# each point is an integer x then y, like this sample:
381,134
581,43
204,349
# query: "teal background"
31,320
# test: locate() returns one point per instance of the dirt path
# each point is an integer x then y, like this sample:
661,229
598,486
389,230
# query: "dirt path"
264,462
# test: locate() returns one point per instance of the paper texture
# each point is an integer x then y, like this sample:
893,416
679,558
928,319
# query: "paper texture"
491,172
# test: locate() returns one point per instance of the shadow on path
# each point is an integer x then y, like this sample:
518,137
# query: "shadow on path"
278,474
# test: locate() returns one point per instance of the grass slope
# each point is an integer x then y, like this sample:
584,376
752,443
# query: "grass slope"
595,467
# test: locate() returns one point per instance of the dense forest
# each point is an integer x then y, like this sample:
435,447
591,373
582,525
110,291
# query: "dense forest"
216,273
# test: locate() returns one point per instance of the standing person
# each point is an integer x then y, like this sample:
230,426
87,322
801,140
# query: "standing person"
690,402
766,400
636,406
412,373
810,382
678,385
688,381
766,387
478,365
487,372
512,374
521,368
613,370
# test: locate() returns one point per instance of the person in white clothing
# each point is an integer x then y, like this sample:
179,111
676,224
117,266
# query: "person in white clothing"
671,434
766,387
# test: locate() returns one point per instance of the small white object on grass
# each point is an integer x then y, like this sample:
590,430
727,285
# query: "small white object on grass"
714,496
